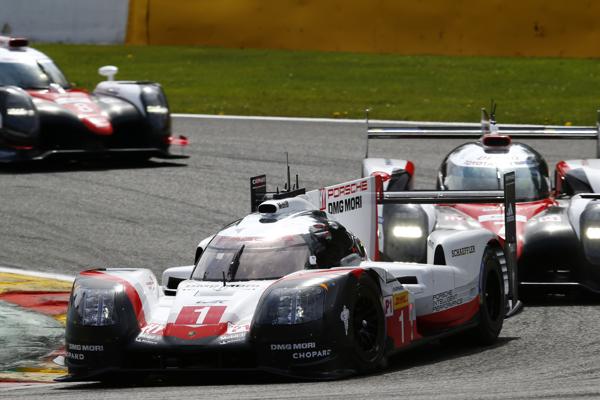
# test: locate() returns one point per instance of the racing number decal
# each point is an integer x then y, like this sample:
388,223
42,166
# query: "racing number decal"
398,311
200,315
83,107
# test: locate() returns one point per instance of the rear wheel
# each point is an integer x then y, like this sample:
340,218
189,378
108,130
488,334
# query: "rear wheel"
492,304
367,326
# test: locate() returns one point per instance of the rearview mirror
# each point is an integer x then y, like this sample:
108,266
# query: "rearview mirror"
108,71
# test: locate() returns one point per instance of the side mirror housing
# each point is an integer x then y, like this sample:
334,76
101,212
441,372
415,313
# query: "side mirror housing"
108,71
172,277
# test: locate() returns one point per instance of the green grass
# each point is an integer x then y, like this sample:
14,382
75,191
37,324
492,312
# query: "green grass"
318,84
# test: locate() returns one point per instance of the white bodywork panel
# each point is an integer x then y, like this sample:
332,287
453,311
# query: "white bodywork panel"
591,168
126,90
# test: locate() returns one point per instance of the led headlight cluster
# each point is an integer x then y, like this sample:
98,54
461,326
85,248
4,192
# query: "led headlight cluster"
95,306
19,114
407,231
592,232
156,107
291,306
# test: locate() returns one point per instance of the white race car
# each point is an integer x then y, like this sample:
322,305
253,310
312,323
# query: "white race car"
292,289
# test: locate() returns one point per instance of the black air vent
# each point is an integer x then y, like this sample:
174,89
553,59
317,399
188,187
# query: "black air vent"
408,280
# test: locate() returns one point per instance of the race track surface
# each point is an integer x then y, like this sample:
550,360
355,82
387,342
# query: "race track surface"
65,218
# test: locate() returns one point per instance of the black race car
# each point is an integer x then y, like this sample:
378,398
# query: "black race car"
42,116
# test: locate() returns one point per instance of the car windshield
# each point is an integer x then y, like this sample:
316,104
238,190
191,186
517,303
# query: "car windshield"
530,183
31,75
237,259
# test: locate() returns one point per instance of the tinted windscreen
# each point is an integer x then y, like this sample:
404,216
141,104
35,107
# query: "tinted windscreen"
238,259
530,183
31,76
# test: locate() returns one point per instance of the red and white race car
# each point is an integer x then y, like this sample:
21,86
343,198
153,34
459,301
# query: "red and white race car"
292,289
42,116
558,225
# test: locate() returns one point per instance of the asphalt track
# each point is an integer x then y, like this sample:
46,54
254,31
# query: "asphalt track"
64,218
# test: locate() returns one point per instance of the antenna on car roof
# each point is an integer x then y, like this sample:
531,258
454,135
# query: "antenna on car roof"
367,110
258,188
485,122
493,126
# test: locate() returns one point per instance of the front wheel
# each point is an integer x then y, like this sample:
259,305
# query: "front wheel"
367,326
492,303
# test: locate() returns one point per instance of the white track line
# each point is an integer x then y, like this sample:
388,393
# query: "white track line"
337,120
38,274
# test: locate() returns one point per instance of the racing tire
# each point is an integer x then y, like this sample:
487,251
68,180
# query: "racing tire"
367,327
492,303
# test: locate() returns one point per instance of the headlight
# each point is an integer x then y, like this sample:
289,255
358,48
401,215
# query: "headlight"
19,115
156,107
95,306
592,233
407,231
291,306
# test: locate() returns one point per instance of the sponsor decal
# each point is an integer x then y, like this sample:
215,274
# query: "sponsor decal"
86,347
153,329
550,218
74,350
293,346
283,204
311,354
150,333
463,251
400,300
308,350
388,306
345,190
345,317
445,300
340,206
500,217
229,338
259,181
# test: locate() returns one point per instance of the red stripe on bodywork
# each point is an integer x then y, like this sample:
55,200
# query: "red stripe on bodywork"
131,292
449,318
561,171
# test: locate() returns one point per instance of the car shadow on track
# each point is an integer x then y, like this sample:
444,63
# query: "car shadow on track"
184,378
78,166
431,353
440,351
575,299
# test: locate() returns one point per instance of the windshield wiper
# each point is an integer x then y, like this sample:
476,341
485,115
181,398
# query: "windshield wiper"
235,263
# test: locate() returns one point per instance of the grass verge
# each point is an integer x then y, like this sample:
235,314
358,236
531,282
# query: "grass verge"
319,84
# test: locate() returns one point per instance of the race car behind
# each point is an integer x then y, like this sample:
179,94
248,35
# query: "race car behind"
558,246
43,117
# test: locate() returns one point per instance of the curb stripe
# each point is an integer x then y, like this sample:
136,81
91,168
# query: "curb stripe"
48,275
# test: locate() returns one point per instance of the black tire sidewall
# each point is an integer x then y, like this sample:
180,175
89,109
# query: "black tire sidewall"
489,328
366,289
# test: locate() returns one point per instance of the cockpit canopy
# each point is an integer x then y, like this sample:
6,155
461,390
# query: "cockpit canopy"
263,248
471,167
31,75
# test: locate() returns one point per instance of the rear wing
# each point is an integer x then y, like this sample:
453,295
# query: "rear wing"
473,131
